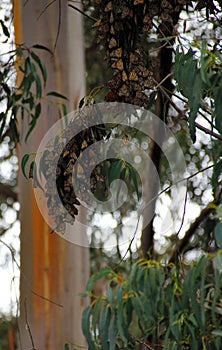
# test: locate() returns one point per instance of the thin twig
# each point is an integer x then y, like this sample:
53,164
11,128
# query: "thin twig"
59,25
45,8
207,131
163,36
158,48
181,244
201,113
184,210
83,13
148,346
129,247
181,180
25,278
164,79
28,327
181,114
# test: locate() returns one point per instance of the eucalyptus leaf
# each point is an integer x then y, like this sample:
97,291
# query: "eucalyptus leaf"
218,234
24,161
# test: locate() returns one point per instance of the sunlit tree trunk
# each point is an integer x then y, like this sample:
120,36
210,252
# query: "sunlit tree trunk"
51,268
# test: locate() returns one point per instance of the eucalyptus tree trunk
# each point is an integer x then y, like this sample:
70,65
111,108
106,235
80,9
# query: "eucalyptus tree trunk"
53,270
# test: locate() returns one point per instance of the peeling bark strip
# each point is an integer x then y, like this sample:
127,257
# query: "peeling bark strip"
51,269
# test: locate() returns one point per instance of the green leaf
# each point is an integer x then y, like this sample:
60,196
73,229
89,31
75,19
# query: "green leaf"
66,347
5,29
32,67
115,170
218,234
37,110
24,161
42,47
109,294
113,333
41,66
56,94
38,86
3,122
217,332
63,113
32,125
18,97
86,327
190,84
218,106
36,182
6,88
122,176
13,127
104,327
194,102
129,312
217,169
42,165
120,313
91,281
95,315
133,177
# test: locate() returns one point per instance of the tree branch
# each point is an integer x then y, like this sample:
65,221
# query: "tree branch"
183,116
181,244
83,13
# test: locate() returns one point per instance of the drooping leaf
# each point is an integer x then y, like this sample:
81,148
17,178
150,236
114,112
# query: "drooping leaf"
24,161
86,327
42,47
217,332
95,315
5,29
91,281
32,125
134,179
37,110
190,84
195,102
120,314
33,174
104,327
109,294
218,106
56,94
42,164
41,66
113,333
115,170
218,234
38,85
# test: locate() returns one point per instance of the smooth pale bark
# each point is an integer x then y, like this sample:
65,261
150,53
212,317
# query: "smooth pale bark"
51,268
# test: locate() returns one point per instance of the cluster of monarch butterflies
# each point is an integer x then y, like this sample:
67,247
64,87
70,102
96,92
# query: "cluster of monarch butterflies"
119,26
74,184
62,201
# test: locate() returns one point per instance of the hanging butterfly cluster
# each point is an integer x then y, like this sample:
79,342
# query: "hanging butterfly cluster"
62,199
120,25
